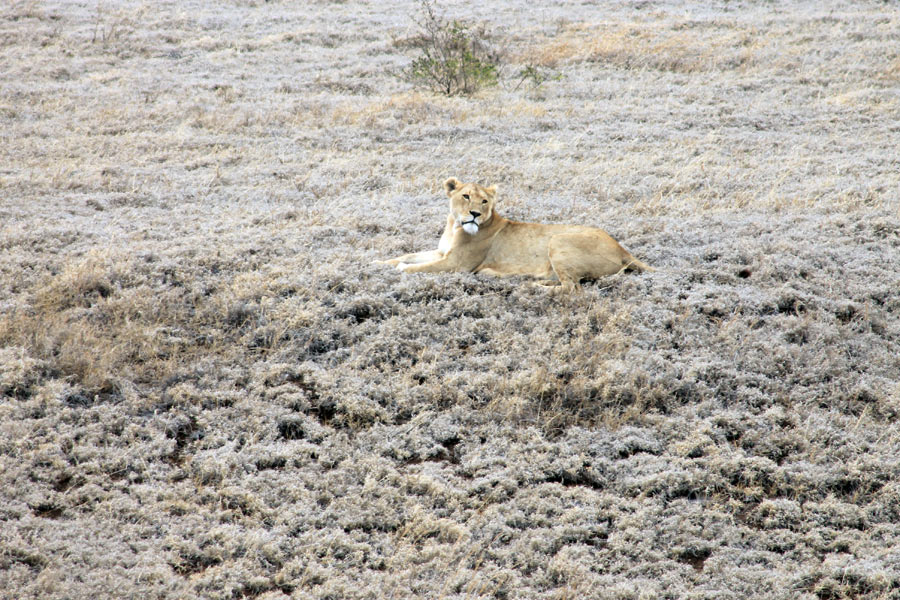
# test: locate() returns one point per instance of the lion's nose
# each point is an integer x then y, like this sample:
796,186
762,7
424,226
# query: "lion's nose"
474,213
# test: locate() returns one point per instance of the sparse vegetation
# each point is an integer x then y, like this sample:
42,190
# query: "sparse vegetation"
536,76
207,389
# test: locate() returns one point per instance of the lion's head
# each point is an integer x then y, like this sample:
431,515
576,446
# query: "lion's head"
471,205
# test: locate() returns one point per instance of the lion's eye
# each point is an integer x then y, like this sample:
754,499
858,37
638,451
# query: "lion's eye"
465,196
484,201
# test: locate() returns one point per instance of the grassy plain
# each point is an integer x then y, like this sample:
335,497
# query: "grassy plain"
208,390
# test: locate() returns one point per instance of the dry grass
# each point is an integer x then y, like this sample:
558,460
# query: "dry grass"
208,390
682,47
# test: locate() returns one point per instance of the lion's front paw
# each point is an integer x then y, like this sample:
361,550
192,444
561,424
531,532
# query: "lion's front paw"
403,266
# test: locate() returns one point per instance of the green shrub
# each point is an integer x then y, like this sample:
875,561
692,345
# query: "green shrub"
455,58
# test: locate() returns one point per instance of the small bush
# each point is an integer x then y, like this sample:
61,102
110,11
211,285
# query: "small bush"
456,59
536,76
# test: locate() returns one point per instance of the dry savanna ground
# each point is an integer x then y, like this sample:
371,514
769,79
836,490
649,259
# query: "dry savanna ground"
208,389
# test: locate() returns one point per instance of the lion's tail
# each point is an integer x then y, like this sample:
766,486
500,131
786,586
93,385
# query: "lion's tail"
637,265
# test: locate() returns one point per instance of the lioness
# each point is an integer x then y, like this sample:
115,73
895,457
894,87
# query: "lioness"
479,240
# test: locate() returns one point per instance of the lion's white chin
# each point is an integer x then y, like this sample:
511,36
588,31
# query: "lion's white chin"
470,228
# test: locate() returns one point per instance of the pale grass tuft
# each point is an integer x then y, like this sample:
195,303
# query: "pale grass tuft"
405,108
18,371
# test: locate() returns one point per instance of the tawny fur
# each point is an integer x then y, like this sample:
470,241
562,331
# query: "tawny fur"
478,239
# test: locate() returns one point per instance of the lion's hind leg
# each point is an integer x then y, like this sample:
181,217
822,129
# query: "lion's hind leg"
575,256
496,271
546,283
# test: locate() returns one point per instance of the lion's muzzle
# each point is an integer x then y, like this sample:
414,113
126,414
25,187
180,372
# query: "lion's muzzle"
471,226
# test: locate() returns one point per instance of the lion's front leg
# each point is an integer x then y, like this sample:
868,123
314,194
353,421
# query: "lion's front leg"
416,258
442,264
413,258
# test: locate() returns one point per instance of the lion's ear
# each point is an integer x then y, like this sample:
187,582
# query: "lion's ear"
452,184
492,191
